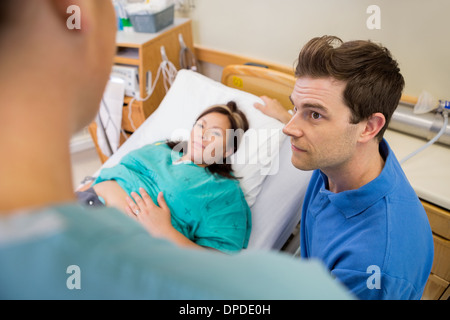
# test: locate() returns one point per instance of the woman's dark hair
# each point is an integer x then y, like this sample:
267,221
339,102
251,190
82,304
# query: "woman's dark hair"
239,124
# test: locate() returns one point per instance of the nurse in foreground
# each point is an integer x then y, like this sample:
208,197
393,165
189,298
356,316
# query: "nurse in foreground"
53,248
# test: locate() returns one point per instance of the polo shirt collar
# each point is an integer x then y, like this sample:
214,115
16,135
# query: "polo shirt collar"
352,202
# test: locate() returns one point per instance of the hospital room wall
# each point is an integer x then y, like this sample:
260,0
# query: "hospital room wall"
417,32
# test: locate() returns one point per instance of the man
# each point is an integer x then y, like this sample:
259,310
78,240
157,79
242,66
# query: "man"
360,215
52,81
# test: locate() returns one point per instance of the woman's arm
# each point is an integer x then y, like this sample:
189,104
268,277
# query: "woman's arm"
274,109
112,193
156,219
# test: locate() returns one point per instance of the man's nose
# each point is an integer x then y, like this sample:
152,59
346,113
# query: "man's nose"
293,128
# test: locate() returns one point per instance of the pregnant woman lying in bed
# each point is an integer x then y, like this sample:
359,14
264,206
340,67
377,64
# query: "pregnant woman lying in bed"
184,192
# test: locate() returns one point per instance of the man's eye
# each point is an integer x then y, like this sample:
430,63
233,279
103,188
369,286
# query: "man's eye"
316,115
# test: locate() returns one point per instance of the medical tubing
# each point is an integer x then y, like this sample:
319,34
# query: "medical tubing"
185,55
169,72
436,138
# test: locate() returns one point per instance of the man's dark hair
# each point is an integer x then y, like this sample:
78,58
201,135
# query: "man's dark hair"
373,79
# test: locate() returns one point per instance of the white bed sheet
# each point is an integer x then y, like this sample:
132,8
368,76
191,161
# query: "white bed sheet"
275,199
277,209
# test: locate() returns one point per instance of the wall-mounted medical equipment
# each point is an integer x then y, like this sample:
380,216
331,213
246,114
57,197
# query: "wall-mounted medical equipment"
187,57
130,76
427,119
168,71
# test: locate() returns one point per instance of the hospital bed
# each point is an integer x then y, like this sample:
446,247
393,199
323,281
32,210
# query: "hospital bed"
274,189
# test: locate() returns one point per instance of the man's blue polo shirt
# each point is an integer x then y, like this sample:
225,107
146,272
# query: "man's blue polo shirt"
376,240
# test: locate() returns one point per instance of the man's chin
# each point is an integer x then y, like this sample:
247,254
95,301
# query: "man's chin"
302,165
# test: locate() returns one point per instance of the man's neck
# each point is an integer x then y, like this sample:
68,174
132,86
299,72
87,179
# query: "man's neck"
364,167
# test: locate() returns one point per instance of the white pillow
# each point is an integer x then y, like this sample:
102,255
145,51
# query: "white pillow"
189,95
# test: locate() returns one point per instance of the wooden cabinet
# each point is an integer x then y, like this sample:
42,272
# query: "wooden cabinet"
438,285
143,50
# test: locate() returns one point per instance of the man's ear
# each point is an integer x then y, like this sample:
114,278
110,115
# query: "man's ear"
372,127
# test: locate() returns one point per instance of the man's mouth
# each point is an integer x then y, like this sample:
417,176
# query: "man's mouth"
296,149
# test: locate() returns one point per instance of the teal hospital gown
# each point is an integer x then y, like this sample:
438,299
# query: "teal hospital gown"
208,209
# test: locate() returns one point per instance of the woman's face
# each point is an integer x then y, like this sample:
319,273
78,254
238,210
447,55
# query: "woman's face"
208,141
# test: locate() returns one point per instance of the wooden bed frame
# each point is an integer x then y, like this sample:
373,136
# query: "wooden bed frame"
260,81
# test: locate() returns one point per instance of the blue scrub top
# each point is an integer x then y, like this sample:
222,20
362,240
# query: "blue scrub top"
376,240
71,252
206,208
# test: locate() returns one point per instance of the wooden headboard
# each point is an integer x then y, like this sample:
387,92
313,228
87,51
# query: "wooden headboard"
260,81
272,83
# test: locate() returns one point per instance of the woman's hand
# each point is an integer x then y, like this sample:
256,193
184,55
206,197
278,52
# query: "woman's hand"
156,219
274,109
